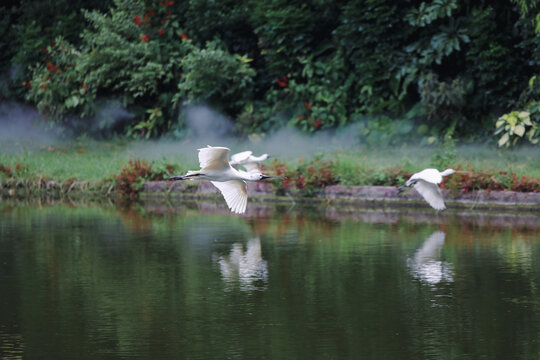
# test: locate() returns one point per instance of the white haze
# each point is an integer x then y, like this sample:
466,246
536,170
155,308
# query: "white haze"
207,127
20,123
23,124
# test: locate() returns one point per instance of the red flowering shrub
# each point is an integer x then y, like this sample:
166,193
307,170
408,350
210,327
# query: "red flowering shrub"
60,89
8,171
309,177
495,180
132,177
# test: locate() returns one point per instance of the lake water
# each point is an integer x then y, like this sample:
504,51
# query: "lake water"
146,281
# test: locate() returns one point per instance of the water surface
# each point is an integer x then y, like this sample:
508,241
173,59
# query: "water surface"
152,282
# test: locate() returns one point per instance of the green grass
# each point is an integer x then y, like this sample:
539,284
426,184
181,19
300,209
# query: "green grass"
97,161
523,161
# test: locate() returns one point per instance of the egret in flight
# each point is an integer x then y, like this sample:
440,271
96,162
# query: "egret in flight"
215,166
426,182
247,160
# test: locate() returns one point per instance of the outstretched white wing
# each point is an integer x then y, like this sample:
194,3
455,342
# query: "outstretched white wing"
252,165
431,193
240,157
214,158
235,194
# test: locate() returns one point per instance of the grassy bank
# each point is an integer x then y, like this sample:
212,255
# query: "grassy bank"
96,161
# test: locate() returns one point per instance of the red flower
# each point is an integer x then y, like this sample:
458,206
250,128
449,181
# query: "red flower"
51,67
183,36
307,105
317,123
137,20
283,82
145,38
161,32
44,50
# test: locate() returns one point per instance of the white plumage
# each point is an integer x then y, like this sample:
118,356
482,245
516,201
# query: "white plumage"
426,182
215,166
248,160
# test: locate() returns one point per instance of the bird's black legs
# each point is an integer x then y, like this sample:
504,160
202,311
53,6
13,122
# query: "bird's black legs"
183,177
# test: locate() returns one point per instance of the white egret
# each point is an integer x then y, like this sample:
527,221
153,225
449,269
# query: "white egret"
214,162
427,265
426,182
248,266
247,160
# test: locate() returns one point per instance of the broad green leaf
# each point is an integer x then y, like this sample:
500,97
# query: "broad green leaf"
503,140
519,130
524,115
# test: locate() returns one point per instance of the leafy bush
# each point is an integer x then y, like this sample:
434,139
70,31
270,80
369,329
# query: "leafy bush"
132,177
317,98
517,125
316,65
133,52
214,76
57,86
442,102
308,177
27,28
495,180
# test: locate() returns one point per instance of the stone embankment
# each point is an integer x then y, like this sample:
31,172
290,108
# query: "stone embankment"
351,195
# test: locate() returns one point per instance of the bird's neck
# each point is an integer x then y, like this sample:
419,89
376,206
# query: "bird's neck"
249,175
259,158
447,172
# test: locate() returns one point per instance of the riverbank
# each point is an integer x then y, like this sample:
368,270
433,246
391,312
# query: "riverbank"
264,192
364,196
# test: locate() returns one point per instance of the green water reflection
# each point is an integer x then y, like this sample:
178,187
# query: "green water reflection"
93,282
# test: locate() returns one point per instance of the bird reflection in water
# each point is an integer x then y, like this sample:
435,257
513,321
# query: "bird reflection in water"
426,264
247,267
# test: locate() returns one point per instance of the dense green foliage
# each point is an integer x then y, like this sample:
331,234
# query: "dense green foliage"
401,69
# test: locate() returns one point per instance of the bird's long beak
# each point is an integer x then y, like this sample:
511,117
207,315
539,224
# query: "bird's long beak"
401,189
178,177
273,177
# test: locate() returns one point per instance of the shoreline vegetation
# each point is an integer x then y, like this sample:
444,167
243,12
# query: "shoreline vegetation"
127,169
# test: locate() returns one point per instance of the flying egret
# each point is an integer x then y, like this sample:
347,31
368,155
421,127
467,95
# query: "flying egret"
426,182
247,160
215,166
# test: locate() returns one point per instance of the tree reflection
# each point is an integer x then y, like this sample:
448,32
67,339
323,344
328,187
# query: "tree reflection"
247,267
426,264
